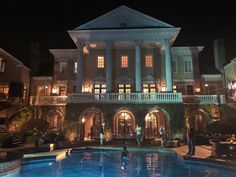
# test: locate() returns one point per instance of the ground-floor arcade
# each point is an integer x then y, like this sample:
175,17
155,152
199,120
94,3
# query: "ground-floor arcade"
120,120
83,121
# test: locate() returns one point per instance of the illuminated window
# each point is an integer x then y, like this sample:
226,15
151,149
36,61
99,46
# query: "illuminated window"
124,88
100,62
63,66
75,68
2,65
100,88
149,88
124,61
62,90
174,89
4,90
188,66
148,61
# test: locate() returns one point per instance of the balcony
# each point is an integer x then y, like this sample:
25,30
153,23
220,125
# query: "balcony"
48,100
145,98
203,99
125,98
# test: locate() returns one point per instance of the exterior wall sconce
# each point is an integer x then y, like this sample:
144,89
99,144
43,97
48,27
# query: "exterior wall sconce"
198,90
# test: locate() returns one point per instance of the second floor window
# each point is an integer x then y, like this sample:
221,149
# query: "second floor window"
188,66
75,68
124,61
63,66
100,62
100,88
62,90
2,65
174,66
148,61
124,88
149,88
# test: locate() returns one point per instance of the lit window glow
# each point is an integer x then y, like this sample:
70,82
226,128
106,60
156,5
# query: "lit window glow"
148,61
100,61
75,67
124,61
198,90
93,45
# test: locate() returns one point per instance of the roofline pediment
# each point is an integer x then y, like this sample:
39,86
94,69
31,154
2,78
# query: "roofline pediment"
159,34
125,15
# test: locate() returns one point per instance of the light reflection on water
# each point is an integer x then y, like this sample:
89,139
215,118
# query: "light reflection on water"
109,164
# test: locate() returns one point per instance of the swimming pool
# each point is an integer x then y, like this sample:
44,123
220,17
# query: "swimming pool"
99,163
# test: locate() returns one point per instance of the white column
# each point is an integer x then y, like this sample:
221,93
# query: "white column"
79,77
138,79
169,84
108,66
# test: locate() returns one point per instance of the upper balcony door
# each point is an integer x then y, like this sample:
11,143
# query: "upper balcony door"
99,89
149,88
123,89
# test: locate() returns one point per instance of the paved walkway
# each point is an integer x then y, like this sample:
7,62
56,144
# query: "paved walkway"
203,153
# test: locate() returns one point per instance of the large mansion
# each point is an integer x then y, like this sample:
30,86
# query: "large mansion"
125,71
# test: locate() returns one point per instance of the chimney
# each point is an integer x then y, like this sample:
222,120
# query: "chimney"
34,57
219,54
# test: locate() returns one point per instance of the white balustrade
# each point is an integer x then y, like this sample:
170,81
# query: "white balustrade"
48,100
200,99
125,97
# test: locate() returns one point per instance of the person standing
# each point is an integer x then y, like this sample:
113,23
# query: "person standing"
191,142
101,134
138,131
162,132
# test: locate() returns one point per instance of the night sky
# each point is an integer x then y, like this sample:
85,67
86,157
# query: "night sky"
201,21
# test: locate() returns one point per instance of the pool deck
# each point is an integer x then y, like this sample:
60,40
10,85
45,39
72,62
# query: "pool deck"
203,153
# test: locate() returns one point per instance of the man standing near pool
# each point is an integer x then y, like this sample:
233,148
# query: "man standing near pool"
138,134
102,134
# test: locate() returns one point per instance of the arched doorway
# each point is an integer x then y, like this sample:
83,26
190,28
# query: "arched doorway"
153,121
91,121
55,120
199,122
124,125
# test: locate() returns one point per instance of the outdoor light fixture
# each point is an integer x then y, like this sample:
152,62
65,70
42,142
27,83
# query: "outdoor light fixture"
206,85
93,45
83,119
198,90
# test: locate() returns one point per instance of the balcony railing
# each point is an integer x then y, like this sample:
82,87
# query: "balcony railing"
48,100
125,97
203,99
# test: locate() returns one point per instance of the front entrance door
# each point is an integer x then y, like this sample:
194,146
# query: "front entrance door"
124,126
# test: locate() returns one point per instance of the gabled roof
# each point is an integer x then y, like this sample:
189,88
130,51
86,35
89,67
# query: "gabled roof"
123,17
9,56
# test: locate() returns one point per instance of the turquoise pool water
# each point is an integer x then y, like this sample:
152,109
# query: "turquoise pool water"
92,163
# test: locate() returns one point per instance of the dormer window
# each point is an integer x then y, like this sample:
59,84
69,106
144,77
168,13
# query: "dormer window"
2,65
